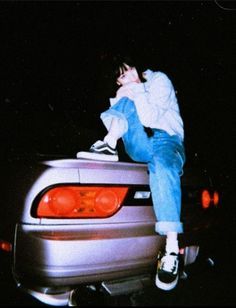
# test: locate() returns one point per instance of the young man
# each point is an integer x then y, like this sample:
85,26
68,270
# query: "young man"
151,104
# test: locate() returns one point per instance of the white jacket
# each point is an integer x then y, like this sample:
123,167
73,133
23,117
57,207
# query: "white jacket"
156,103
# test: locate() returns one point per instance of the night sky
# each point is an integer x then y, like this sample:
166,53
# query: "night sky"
54,70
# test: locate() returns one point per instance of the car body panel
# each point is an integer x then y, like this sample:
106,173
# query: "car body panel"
79,252
52,257
125,242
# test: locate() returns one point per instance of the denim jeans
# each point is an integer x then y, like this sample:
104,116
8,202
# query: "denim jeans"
165,157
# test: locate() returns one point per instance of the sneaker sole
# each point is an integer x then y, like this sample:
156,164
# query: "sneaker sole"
97,156
166,286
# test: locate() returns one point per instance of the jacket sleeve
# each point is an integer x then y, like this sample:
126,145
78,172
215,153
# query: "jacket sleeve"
152,104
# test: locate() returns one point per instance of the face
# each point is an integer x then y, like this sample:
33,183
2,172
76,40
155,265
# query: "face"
127,75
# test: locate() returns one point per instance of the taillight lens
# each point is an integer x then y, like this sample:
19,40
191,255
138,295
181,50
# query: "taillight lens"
207,198
216,198
6,246
80,202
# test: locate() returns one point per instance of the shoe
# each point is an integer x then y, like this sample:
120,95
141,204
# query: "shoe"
99,151
167,271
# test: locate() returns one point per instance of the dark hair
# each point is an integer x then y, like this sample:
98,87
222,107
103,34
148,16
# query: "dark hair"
119,61
110,68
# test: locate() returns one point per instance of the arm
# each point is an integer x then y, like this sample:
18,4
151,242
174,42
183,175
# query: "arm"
153,103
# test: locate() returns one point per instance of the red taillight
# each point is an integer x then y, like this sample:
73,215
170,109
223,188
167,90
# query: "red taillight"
208,198
216,198
6,246
81,202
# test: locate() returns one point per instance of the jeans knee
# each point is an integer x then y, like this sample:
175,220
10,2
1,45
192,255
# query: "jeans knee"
125,106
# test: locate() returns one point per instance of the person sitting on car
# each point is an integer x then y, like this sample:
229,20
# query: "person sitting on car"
145,102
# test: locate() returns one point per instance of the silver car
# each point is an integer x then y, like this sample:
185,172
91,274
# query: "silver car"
91,223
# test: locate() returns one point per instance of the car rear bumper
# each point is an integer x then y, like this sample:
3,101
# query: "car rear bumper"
63,256
69,255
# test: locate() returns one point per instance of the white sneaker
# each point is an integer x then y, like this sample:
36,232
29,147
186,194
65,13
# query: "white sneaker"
99,151
167,271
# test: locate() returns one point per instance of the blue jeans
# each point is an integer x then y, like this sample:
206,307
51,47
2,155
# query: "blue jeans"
165,157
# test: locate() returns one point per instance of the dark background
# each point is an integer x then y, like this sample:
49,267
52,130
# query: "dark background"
55,77
54,71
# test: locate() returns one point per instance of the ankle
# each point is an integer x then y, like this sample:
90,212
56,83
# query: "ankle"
172,246
111,141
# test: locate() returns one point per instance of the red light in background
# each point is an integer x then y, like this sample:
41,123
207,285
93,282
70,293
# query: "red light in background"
206,199
6,246
216,198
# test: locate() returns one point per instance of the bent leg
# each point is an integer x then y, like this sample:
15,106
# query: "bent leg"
114,133
129,127
121,121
